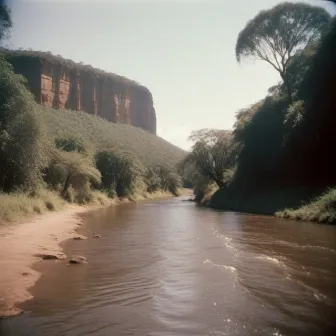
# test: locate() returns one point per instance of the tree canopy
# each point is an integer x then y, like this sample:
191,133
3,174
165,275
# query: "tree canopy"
275,35
212,153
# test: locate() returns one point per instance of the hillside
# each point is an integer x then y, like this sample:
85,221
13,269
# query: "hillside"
100,134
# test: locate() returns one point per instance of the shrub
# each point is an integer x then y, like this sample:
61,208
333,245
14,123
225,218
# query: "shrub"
71,169
322,209
170,180
22,142
152,180
119,171
71,143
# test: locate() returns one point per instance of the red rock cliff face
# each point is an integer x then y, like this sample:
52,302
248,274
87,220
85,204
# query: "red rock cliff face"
67,85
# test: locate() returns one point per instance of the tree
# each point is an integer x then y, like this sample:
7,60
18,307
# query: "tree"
275,35
212,154
71,169
5,21
120,171
22,142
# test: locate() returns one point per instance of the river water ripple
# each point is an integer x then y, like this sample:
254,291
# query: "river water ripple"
169,267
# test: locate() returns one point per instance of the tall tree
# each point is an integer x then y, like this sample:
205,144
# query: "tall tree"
275,35
212,154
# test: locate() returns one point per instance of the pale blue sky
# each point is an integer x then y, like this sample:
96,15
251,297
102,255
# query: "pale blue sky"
183,51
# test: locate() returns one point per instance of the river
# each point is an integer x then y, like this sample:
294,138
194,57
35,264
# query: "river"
169,267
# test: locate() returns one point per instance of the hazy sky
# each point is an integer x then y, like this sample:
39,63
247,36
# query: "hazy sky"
182,50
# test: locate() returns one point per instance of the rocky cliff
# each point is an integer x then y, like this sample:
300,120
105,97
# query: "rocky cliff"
64,84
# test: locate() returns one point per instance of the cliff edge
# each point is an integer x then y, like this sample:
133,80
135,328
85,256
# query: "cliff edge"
63,84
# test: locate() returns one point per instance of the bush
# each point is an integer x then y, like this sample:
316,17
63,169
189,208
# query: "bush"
152,180
119,171
322,209
71,143
73,170
170,180
22,150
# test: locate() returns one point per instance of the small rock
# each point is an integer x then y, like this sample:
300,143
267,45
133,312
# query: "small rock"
79,237
78,260
25,274
97,236
52,256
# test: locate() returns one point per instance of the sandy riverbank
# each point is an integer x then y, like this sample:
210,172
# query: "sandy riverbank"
21,243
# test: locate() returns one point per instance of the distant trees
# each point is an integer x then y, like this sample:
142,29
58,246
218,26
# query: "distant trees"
275,35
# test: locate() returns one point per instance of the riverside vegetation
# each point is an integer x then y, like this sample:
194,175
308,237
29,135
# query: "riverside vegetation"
49,157
278,159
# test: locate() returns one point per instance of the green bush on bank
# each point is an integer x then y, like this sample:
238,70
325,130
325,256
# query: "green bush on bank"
119,171
22,139
322,210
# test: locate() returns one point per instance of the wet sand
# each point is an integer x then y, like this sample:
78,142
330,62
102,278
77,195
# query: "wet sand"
19,246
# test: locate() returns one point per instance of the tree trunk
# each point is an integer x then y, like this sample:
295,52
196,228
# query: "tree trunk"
66,185
288,88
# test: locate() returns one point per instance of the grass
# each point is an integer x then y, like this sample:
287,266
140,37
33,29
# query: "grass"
322,210
16,205
98,133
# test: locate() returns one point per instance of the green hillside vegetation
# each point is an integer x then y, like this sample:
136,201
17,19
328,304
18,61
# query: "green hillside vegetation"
279,157
98,134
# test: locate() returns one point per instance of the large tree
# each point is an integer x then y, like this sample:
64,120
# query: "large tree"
275,35
212,154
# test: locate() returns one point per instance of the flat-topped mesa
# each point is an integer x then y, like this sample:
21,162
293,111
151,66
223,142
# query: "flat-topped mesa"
63,84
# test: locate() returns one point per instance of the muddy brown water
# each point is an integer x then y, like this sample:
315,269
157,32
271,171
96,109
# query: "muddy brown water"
169,267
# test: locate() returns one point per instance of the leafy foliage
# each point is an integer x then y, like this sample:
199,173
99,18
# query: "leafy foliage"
22,143
212,153
149,149
71,170
170,180
275,35
71,143
153,180
322,209
286,149
119,171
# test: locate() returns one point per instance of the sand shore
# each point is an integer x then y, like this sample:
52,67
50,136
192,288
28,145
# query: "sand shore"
19,245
